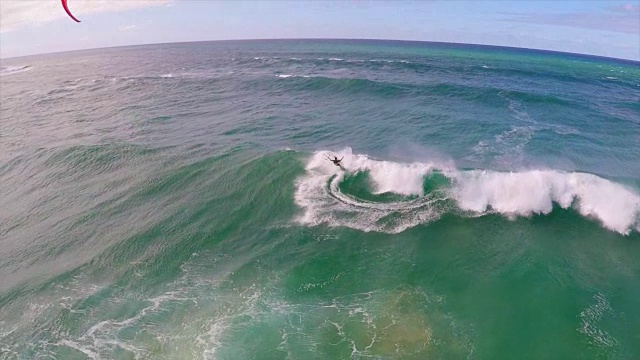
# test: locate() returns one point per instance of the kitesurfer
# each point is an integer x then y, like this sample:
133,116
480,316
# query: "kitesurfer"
336,161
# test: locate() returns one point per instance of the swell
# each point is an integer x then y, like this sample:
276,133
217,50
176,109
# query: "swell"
116,212
329,195
66,204
165,221
587,74
350,86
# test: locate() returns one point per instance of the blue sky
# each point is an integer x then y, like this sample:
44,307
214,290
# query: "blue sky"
598,27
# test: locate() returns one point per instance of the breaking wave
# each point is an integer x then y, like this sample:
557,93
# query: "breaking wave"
376,195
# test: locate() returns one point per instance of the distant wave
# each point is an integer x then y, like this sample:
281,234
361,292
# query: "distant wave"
468,192
285,76
390,61
319,81
322,60
6,70
424,65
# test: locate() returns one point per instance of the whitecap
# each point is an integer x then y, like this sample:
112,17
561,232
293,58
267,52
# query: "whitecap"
535,191
7,70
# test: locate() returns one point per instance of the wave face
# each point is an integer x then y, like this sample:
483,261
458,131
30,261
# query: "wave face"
474,192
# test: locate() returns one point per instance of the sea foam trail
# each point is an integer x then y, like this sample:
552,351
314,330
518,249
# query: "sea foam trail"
511,194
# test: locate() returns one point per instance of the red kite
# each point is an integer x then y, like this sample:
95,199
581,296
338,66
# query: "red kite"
66,8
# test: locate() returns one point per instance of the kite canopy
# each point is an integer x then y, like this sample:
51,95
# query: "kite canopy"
66,8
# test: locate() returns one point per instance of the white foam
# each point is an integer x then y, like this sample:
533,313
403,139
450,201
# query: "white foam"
391,177
476,192
284,76
389,61
74,345
534,192
167,75
590,321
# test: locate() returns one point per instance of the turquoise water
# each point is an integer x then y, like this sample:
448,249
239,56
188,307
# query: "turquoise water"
175,202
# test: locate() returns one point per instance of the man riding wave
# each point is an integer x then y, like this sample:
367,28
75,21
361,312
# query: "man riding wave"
335,160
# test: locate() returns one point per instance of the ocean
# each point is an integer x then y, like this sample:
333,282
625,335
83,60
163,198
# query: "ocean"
175,201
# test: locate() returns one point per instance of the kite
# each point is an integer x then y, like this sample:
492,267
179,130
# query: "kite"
66,8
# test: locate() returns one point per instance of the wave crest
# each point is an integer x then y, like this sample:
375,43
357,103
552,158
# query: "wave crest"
535,192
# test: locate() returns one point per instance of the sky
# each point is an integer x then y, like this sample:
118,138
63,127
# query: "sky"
597,27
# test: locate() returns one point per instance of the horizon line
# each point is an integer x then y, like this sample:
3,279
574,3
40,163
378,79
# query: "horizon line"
557,52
